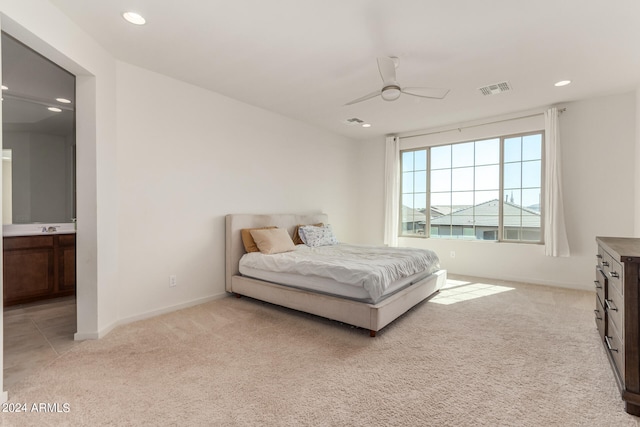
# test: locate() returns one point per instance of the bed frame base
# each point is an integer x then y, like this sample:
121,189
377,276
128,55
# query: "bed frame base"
368,316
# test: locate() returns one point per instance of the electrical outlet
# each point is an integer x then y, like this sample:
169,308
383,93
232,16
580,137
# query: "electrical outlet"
453,254
173,280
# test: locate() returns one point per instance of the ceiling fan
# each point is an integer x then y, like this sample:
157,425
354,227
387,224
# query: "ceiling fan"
391,90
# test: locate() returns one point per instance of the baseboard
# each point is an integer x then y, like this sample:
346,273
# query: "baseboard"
78,336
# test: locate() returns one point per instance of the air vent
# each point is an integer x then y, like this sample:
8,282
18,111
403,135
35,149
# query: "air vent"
353,121
495,88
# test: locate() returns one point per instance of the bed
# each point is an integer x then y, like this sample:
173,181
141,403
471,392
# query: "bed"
350,309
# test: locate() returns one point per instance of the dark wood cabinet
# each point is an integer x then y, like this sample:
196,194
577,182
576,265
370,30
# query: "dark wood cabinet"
618,312
38,267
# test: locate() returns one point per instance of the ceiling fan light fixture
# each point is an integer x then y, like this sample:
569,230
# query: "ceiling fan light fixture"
390,93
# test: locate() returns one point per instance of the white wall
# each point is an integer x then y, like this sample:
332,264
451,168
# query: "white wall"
188,157
598,148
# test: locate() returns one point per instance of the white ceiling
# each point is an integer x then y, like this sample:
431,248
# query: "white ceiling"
306,58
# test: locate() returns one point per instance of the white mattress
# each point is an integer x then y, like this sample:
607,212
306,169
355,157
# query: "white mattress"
363,273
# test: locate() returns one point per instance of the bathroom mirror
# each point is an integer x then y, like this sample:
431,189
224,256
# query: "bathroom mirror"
38,137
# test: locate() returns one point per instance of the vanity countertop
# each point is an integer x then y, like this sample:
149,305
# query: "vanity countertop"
13,230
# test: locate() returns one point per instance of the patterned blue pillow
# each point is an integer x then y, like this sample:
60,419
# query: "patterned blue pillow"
318,236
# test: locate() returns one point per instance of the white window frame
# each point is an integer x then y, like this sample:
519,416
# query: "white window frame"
501,228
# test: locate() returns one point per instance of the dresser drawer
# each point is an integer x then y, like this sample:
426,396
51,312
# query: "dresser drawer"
614,306
613,270
600,317
615,347
600,284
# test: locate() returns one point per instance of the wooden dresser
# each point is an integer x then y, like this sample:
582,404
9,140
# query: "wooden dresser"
617,312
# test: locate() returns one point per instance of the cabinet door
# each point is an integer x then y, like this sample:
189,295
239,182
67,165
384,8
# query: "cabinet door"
67,268
28,273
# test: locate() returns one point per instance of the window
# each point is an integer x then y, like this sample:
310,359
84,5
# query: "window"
479,190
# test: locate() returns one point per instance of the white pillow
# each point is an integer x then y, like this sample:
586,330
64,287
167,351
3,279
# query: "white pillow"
273,240
318,236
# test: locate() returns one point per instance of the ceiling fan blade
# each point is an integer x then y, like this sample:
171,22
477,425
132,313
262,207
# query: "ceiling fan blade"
426,92
387,68
364,98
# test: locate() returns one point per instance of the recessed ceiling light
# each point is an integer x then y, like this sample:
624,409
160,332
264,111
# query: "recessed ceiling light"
562,83
134,18
63,100
54,109
366,125
4,87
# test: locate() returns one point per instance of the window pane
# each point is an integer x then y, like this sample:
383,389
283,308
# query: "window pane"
513,196
420,160
532,147
407,200
488,196
462,154
462,199
487,177
488,152
512,172
531,199
531,174
420,202
440,199
462,179
441,180
441,157
513,149
407,161
407,182
420,183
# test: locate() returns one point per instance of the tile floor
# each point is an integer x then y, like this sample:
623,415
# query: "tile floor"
36,334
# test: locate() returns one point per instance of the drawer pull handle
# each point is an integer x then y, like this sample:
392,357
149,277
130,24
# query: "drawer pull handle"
614,274
599,256
606,339
597,312
607,303
597,283
605,263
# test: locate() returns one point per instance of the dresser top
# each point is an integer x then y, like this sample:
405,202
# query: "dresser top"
624,247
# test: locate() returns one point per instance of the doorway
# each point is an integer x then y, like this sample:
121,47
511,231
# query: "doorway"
38,102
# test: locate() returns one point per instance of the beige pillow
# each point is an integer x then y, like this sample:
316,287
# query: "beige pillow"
273,240
247,240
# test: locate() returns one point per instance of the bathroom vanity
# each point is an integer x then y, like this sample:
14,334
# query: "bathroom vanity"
38,266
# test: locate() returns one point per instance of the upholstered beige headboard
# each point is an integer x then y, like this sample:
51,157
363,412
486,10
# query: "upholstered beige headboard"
236,222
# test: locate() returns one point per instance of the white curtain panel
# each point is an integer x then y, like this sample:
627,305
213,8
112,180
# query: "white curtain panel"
391,190
555,233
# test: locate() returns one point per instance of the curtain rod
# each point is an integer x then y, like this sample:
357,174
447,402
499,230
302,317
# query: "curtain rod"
561,110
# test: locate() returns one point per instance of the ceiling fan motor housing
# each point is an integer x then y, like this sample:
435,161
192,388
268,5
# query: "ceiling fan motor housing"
390,92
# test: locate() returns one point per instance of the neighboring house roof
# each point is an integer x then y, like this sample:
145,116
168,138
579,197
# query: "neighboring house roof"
486,214
412,215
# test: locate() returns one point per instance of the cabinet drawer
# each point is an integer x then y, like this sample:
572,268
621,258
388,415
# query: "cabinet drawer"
614,306
615,347
614,275
600,317
601,284
27,242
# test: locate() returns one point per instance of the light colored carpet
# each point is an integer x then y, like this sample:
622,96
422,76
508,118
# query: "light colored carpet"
474,356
